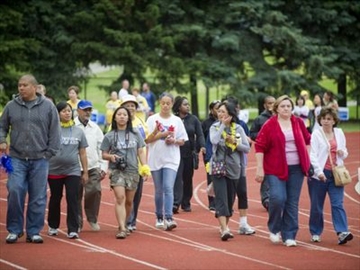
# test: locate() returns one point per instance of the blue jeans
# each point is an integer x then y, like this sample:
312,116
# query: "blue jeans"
284,203
29,176
317,192
164,180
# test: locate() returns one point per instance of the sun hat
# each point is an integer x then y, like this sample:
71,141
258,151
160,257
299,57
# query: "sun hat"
129,98
84,104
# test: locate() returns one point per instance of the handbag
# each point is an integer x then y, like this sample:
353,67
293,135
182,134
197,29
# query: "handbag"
341,174
217,167
195,157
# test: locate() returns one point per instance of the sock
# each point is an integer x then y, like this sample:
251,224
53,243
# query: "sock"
243,221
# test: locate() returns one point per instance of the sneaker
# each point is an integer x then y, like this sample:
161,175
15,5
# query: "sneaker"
225,235
11,238
344,237
133,227
129,228
212,208
73,235
315,238
52,231
37,239
275,237
175,209
290,243
228,230
246,230
170,224
159,223
94,226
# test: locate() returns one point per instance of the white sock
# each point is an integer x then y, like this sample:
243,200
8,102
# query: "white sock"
243,221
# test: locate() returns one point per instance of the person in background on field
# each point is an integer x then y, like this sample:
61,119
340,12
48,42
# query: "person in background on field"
241,187
228,139
149,96
91,190
282,157
183,187
34,127
123,146
206,124
243,115
41,89
143,107
64,170
254,130
73,93
330,101
124,89
167,135
111,106
301,110
328,138
318,105
306,96
130,103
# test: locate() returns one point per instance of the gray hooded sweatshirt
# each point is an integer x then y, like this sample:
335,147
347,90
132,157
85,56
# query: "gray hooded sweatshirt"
34,129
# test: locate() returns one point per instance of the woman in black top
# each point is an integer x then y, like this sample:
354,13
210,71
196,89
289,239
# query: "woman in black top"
183,188
206,124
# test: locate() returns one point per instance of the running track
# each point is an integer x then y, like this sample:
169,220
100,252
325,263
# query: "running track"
195,244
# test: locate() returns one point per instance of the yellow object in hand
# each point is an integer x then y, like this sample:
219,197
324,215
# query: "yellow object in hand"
144,170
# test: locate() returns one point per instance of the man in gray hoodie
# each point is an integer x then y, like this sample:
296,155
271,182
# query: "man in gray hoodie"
33,123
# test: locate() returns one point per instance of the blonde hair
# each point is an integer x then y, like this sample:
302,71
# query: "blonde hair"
281,99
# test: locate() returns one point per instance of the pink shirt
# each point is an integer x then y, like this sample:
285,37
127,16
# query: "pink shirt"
333,147
292,156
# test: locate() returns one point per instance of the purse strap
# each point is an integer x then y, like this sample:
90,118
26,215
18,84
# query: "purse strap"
326,140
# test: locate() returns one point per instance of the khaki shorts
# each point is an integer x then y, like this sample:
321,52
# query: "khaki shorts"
127,180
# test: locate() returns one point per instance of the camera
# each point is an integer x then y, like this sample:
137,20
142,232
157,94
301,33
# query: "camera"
120,163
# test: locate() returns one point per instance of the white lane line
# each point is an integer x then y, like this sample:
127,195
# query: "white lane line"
12,265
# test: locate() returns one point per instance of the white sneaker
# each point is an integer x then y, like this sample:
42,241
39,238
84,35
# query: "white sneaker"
316,238
53,232
73,235
159,223
170,224
94,226
290,243
275,237
246,230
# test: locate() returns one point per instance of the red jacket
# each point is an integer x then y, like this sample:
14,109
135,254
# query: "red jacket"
271,142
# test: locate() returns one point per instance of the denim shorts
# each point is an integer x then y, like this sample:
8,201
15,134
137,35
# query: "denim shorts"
128,180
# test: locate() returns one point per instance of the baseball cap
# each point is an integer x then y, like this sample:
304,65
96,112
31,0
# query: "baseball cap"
84,104
304,93
129,98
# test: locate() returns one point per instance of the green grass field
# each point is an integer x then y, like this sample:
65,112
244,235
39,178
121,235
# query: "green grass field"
99,97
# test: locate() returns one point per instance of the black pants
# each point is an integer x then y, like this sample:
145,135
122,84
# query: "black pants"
210,199
241,192
225,192
183,187
71,184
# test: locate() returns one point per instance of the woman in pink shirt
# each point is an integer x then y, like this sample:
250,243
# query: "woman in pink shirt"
282,157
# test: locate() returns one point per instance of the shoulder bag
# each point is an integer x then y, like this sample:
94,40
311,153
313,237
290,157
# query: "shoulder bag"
341,174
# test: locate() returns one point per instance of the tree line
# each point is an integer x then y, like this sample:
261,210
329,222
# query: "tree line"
251,47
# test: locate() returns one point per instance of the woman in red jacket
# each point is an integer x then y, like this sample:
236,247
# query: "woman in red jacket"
282,157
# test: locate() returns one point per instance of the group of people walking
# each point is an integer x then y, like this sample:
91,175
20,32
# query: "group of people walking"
49,145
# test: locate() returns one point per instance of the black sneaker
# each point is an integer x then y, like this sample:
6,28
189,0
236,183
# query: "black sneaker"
344,237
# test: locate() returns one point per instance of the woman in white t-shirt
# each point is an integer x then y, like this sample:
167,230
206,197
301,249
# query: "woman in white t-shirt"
302,110
168,134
